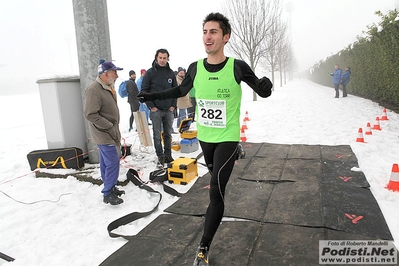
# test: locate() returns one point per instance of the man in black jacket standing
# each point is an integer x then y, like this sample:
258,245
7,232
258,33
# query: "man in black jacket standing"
160,78
132,91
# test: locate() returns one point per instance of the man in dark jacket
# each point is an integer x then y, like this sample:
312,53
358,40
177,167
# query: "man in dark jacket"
345,80
101,111
132,91
160,78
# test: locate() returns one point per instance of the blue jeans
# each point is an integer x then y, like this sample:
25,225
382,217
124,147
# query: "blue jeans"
109,166
182,115
162,119
144,108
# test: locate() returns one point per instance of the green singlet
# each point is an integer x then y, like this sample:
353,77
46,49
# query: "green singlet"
218,97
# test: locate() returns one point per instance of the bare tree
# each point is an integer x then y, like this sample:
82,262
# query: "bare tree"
251,21
285,59
277,44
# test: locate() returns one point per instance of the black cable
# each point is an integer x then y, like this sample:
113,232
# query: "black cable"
34,202
6,257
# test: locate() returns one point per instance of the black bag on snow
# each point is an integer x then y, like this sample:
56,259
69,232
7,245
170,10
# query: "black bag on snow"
56,158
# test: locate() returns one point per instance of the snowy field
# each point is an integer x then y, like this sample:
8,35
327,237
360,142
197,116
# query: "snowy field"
64,222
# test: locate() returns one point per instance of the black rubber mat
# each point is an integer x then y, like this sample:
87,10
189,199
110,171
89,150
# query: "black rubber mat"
308,170
262,169
172,240
298,190
341,172
285,198
297,203
354,210
304,152
287,245
195,201
250,150
247,200
270,150
342,153
233,244
162,242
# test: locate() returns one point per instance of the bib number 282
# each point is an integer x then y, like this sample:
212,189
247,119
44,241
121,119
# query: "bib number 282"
211,113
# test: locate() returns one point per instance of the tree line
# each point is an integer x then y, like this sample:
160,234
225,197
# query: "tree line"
260,36
374,62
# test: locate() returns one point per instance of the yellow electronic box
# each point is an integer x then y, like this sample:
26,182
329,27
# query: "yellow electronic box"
182,170
184,131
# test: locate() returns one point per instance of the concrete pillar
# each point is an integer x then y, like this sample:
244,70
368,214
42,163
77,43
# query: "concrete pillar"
93,42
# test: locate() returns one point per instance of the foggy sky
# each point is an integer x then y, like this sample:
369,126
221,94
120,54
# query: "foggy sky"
39,37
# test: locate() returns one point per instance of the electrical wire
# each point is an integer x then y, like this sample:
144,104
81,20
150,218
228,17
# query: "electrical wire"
34,202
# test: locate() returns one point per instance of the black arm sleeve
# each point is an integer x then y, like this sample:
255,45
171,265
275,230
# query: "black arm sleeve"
242,71
183,88
145,87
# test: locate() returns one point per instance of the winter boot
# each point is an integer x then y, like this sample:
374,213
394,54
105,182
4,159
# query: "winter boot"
112,199
169,159
161,159
201,258
117,191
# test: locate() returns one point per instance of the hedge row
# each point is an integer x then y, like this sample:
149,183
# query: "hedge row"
374,62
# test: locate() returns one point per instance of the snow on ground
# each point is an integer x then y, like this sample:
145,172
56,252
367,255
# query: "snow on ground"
63,221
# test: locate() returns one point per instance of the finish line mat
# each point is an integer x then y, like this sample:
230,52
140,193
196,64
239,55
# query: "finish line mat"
289,197
172,240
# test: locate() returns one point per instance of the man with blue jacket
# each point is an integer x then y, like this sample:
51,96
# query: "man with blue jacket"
345,80
336,79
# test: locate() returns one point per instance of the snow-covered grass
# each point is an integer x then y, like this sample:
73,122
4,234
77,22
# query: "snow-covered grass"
63,221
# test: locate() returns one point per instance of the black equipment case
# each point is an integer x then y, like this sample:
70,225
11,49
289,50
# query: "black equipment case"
56,158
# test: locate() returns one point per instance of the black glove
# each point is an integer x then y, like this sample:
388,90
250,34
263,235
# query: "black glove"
145,96
265,87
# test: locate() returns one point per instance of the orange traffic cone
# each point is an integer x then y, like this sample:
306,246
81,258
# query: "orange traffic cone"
368,130
384,115
394,180
360,136
246,118
243,138
377,124
244,124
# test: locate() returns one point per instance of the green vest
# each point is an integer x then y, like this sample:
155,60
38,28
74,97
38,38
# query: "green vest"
218,97
192,92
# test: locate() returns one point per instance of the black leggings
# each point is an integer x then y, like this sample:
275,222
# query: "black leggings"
220,159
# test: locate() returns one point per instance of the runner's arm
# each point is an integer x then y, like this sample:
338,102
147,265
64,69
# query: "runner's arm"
262,87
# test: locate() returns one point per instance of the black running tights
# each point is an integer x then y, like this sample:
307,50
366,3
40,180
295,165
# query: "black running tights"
220,159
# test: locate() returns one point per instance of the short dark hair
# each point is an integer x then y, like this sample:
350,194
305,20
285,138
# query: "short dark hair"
221,19
131,72
161,51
